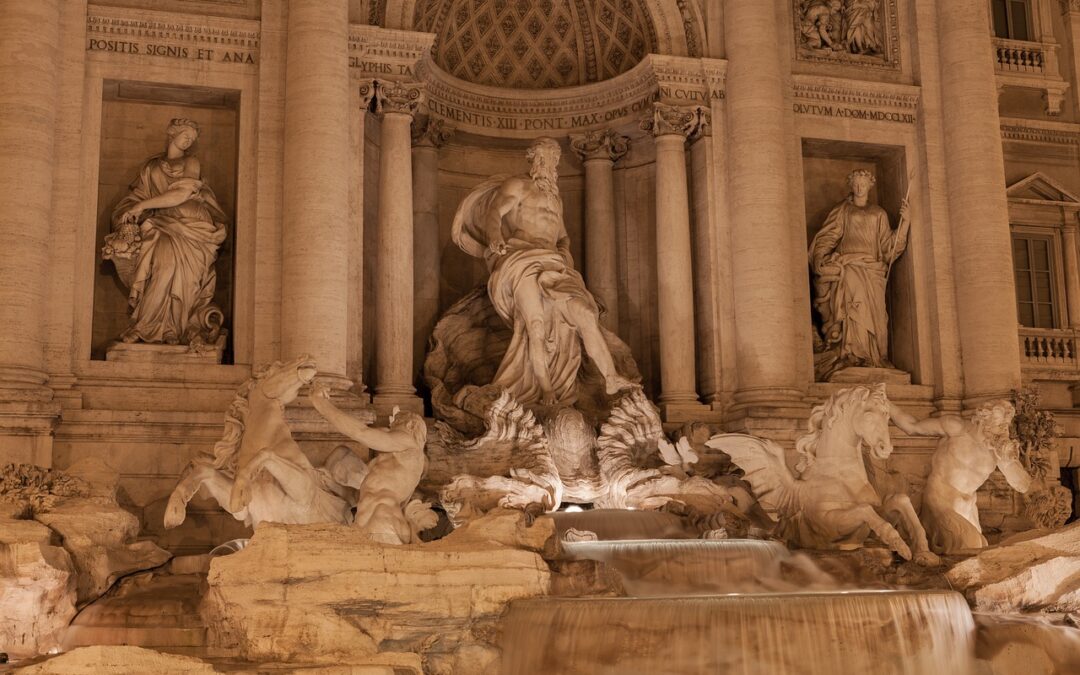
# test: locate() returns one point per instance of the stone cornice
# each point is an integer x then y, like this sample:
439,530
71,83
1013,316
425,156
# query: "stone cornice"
117,31
390,54
855,99
1038,131
602,144
527,113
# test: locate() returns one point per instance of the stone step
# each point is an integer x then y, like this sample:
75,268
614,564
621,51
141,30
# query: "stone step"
150,637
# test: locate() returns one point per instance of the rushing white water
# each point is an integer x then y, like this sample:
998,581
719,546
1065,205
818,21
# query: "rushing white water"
857,632
685,566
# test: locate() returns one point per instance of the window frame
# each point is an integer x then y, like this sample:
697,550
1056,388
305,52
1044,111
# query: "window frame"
1052,235
1029,17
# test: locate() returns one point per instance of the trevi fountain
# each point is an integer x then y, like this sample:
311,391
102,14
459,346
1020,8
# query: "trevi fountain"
540,337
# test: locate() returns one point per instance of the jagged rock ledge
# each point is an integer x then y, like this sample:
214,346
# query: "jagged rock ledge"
324,594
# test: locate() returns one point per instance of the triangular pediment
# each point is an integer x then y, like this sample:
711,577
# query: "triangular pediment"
1038,187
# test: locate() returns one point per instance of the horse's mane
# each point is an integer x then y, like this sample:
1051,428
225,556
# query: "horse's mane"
225,449
823,416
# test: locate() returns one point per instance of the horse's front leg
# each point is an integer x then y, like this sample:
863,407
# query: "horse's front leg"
297,480
198,474
899,506
850,519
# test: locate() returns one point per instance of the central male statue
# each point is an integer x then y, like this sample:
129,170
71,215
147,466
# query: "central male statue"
516,225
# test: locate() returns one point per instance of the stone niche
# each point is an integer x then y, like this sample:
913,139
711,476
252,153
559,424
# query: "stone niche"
826,166
134,119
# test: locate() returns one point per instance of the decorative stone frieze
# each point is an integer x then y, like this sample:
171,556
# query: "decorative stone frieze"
131,32
600,144
873,101
854,32
1038,131
389,54
431,132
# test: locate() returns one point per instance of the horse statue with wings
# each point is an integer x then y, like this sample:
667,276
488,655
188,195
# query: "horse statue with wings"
829,502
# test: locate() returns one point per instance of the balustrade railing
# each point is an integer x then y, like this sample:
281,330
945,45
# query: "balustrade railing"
1053,348
1019,56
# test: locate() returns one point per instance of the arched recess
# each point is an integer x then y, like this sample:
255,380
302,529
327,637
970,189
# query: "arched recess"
675,36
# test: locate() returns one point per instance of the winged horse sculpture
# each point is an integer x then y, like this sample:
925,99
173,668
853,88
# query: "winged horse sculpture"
829,502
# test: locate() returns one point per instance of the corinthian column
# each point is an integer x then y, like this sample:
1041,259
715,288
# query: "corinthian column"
675,295
598,151
428,135
978,208
315,236
758,201
29,53
396,104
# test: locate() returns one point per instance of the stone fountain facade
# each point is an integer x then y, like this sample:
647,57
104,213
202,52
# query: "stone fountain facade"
748,209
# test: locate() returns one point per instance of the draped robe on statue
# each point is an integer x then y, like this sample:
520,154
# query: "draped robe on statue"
173,281
852,303
559,283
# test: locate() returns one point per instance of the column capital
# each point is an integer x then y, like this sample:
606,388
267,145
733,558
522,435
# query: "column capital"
430,132
670,120
704,125
1070,6
600,144
392,97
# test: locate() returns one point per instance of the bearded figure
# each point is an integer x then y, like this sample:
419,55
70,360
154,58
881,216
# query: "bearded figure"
515,224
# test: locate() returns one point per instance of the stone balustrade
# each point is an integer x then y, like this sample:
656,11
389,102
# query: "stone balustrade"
1048,348
1019,56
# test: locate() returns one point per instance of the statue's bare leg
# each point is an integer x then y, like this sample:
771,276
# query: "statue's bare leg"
530,307
588,326
196,476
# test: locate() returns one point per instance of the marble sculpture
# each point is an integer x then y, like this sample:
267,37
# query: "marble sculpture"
829,501
852,26
165,240
385,510
257,472
966,455
515,224
851,257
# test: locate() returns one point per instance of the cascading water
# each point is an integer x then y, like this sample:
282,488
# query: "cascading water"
701,606
879,632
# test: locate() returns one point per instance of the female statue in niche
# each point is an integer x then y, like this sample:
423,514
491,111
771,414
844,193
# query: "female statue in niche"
851,257
165,241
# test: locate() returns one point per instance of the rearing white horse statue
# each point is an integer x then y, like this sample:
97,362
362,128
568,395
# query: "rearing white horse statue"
829,502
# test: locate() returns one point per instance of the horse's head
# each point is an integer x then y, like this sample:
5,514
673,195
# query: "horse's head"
850,419
869,416
282,381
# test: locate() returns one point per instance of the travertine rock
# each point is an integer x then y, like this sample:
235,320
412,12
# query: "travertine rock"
117,660
1012,644
327,594
101,540
37,589
1042,572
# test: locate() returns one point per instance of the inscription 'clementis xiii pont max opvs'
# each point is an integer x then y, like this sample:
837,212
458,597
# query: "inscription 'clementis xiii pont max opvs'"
540,337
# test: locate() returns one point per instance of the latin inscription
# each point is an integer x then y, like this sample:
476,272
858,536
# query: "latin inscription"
169,51
378,68
854,113
553,123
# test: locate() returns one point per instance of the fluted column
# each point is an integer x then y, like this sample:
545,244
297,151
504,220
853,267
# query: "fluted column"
978,208
395,103
428,135
315,236
675,294
598,151
1072,270
758,201
29,51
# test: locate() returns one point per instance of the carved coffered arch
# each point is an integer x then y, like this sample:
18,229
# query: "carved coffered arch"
602,39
